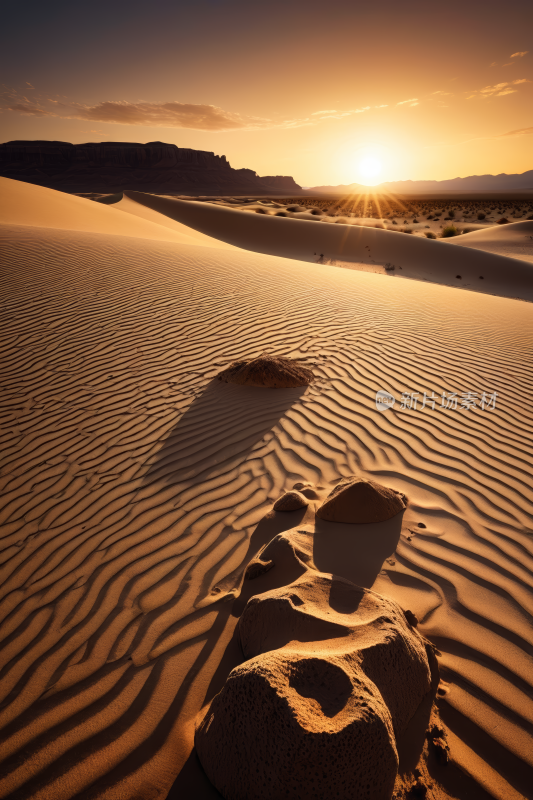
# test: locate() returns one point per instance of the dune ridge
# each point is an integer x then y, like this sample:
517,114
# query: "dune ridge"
355,247
135,487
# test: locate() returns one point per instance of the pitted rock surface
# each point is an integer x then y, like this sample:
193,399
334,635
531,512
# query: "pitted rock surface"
334,675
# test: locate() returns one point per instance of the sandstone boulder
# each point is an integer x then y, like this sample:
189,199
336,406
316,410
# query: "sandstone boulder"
291,501
357,500
276,372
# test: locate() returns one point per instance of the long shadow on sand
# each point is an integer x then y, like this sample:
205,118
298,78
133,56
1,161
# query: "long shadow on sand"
355,552
218,430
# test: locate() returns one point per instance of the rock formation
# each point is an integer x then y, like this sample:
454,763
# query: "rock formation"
276,372
334,674
114,166
357,500
291,501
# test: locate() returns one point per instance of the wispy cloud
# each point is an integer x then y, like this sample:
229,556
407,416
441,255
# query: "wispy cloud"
498,90
519,55
162,115
412,101
519,132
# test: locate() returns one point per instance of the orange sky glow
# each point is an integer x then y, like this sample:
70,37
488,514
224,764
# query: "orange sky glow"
295,88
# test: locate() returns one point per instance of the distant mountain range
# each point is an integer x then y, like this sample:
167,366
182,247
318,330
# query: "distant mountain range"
474,183
114,166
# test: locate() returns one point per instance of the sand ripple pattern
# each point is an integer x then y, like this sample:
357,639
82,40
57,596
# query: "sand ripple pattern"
132,484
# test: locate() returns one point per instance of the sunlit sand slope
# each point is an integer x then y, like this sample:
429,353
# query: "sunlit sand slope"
186,235
24,204
353,246
132,485
514,240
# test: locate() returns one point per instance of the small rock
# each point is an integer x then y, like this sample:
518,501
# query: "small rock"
421,525
291,501
411,618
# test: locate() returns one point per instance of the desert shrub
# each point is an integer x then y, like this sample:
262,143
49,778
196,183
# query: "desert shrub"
449,230
407,230
468,230
481,215
316,212
503,221
415,221
281,214
261,211
451,214
430,235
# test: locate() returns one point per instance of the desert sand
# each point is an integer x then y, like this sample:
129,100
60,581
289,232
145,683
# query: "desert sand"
136,488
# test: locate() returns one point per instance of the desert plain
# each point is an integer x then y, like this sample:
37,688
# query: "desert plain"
138,490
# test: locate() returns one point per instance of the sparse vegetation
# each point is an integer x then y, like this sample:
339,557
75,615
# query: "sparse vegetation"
481,215
449,230
430,235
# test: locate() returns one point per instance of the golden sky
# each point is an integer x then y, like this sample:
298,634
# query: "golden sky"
308,89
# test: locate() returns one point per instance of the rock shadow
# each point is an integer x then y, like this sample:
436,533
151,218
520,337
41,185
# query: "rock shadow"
220,427
355,552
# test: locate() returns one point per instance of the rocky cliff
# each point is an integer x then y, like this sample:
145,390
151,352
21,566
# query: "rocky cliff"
115,166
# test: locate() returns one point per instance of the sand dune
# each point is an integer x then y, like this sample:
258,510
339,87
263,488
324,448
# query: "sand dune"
24,204
514,240
355,247
135,488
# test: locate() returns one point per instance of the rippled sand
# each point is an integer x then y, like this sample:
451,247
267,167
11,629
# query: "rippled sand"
135,488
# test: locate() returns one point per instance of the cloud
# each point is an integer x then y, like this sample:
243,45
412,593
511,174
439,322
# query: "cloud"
162,115
28,108
412,100
519,55
497,87
119,112
328,111
522,80
494,64
506,91
519,132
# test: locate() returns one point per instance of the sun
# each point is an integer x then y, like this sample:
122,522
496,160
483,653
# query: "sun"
370,167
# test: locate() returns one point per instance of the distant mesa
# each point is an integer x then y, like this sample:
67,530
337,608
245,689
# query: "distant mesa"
291,501
361,501
276,372
110,167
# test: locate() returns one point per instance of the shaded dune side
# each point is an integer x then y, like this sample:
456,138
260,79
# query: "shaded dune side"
343,245
132,488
